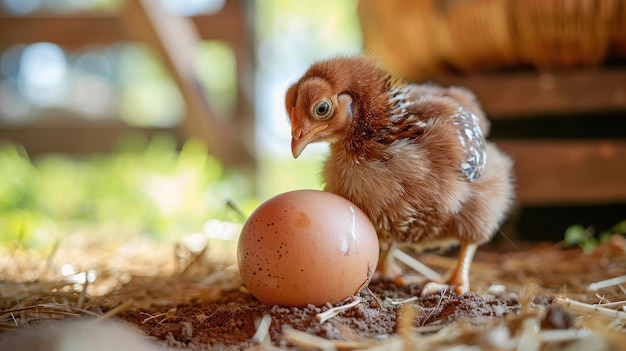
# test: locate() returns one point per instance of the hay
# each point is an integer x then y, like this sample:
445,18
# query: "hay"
567,299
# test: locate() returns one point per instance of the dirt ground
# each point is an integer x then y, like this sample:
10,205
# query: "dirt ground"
542,297
229,323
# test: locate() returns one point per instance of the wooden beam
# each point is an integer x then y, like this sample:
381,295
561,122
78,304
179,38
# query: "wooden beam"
568,172
94,138
69,31
229,25
177,40
531,93
74,31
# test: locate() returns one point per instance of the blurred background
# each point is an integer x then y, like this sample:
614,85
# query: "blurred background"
121,118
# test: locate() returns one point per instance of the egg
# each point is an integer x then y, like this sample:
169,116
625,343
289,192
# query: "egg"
306,247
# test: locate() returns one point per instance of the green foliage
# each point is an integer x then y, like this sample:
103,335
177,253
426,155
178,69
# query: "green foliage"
586,239
146,187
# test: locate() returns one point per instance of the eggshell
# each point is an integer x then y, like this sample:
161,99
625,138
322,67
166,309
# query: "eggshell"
306,247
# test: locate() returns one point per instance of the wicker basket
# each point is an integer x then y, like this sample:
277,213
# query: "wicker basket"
564,33
421,37
480,34
618,32
401,26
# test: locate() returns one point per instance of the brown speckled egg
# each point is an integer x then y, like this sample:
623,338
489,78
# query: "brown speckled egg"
306,247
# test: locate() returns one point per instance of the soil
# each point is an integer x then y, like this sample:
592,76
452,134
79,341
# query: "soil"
541,297
229,322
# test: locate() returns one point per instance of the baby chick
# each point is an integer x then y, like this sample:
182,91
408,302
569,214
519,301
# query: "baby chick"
413,157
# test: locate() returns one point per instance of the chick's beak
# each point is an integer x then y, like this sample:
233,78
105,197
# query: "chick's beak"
300,137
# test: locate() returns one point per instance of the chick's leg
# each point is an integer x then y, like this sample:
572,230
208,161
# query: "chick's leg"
387,266
460,275
459,279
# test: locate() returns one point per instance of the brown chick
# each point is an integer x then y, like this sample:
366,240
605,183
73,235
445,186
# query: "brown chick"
413,157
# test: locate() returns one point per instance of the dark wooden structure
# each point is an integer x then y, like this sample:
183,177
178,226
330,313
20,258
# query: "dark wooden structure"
558,170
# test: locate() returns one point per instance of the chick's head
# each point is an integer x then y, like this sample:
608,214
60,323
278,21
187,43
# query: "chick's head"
317,112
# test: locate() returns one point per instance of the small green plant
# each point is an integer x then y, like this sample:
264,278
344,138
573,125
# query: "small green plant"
586,238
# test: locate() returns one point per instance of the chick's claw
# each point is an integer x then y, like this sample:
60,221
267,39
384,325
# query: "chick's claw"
431,288
435,288
459,280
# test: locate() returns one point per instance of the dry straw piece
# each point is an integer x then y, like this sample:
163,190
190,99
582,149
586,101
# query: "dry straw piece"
182,299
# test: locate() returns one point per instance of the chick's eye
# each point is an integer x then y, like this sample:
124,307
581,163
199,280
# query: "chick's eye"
322,109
